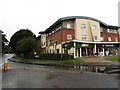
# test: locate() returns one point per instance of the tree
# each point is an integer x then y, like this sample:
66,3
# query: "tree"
26,46
4,40
19,35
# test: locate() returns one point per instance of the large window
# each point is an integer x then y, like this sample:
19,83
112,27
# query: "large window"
94,27
109,38
116,39
82,26
69,26
95,37
69,36
57,29
102,39
84,37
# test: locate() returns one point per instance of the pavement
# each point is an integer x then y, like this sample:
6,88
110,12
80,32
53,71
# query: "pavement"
95,59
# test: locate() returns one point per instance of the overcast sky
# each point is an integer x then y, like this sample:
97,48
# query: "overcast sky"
38,15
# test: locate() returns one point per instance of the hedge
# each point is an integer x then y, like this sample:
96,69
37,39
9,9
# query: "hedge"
53,56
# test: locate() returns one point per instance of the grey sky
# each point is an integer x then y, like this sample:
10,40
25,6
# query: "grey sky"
38,15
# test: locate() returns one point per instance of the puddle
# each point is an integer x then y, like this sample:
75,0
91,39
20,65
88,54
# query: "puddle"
99,69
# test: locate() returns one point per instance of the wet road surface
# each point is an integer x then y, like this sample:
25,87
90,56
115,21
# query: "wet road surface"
36,76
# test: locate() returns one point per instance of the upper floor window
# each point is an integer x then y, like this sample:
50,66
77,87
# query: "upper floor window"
82,26
111,31
94,27
115,31
69,26
109,38
101,30
57,29
52,32
84,37
116,39
69,37
49,33
102,39
95,37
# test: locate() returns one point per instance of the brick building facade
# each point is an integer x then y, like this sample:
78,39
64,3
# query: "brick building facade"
86,36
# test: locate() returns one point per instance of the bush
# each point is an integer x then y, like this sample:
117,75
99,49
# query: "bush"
29,56
53,56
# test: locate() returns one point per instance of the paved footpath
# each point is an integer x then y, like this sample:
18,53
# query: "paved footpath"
95,59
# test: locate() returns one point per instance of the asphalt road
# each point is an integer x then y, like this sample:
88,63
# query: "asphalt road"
22,75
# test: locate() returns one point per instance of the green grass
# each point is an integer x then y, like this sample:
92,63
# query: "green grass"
113,58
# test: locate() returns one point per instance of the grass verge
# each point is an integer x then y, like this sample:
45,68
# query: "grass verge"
113,58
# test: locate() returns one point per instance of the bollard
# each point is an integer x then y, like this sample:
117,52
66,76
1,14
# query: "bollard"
81,67
5,65
96,69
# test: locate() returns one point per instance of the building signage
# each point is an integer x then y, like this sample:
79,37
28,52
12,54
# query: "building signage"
109,45
85,45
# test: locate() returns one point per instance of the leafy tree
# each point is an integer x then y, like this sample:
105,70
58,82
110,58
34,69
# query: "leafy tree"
4,40
8,49
26,46
19,35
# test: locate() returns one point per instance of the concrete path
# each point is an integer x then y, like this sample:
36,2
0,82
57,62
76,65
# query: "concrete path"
95,59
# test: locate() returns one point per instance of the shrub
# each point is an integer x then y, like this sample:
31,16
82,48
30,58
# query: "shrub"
54,56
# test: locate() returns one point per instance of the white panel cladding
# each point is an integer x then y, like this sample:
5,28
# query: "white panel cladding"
91,29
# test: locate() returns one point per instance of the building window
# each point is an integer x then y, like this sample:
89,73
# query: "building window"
95,37
109,39
116,39
102,39
83,37
49,33
82,26
52,32
108,30
115,31
101,30
57,29
94,27
69,26
69,36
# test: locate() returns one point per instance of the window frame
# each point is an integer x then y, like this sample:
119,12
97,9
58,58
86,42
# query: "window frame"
94,27
82,26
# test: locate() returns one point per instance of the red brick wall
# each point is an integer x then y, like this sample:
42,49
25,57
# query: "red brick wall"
58,37
111,35
66,32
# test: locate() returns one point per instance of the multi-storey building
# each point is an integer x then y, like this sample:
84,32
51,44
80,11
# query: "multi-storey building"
85,36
